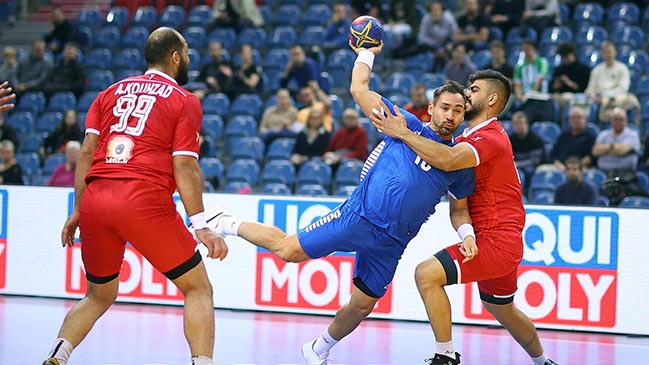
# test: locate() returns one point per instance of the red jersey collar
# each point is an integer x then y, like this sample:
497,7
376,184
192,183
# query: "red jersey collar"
468,131
160,73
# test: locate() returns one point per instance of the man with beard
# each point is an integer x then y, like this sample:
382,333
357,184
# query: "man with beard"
396,195
496,212
141,145
575,191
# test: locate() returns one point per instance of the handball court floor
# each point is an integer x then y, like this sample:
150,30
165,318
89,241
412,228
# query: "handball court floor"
135,334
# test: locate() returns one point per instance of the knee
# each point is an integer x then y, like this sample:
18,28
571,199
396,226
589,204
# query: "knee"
429,274
361,310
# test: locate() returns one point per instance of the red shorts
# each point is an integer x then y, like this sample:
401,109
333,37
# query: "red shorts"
114,212
494,269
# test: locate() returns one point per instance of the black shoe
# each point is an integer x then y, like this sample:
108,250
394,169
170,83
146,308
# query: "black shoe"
440,359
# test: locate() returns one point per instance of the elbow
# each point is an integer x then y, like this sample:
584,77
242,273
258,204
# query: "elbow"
357,90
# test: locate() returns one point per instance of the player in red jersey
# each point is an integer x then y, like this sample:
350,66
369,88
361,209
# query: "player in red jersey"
5,96
141,145
496,211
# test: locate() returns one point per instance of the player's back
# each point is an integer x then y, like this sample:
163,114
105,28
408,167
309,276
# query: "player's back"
142,122
496,206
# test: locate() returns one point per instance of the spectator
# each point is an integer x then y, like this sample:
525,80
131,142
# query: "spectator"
528,147
337,30
617,149
300,71
277,120
531,85
569,78
577,141
216,74
9,69
472,27
70,74
238,14
349,142
575,191
402,21
313,98
10,171
68,130
540,14
499,59
645,156
33,70
418,104
365,7
63,174
61,31
246,78
506,14
312,141
609,84
8,133
459,68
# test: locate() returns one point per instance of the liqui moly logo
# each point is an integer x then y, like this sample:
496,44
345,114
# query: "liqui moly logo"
568,275
4,210
323,284
137,278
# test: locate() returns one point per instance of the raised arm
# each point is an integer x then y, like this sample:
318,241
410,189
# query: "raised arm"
365,98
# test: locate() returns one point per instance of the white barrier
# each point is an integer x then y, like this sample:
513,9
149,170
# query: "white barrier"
583,269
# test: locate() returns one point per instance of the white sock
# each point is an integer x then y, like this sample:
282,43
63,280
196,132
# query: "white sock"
202,360
540,360
445,348
324,343
230,226
61,350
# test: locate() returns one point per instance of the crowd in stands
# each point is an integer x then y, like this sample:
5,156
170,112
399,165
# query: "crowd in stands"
273,79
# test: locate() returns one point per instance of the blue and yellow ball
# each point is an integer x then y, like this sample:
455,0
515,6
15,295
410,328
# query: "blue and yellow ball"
366,32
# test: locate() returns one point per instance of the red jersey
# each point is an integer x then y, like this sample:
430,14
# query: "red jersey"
142,122
420,113
496,205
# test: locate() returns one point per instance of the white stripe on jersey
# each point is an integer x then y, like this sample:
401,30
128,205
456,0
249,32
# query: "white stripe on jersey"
371,159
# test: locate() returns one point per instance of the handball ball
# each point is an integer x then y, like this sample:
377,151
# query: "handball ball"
366,32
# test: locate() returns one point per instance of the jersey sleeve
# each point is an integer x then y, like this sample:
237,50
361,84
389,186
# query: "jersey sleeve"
93,117
486,146
464,184
188,129
413,123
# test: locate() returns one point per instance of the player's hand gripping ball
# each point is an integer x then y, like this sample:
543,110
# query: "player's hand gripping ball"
366,32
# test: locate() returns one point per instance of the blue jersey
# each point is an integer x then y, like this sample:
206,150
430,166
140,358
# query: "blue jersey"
398,190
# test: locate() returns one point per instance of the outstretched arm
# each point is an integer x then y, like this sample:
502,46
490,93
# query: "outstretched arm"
365,98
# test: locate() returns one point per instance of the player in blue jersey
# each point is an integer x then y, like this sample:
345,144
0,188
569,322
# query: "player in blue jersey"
396,195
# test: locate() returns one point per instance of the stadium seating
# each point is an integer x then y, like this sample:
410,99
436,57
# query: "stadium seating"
172,16
84,102
275,189
195,37
588,14
32,142
98,59
90,16
246,104
47,122
548,131
311,190
100,80
286,15
107,37
243,171
236,187
255,37
550,177
643,180
421,63
128,59
594,177
399,82
314,171
22,121
51,162
635,202
344,190
216,103
555,35
212,169
241,126
316,15
348,173
145,16
311,36
199,16
61,101
280,149
213,125
246,148
29,162
591,35
543,197
282,37
32,101
626,12
631,36
278,171
117,16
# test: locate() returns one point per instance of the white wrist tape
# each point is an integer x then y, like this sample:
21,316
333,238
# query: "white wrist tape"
198,221
366,57
465,230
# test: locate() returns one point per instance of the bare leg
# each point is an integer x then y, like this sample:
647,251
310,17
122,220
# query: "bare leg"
83,315
199,310
519,326
286,247
431,279
350,315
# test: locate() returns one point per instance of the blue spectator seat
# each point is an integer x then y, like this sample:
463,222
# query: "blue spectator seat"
634,202
337,106
564,13
521,177
589,56
278,171
255,37
588,13
145,16
637,60
399,82
311,36
282,37
246,104
373,135
280,149
246,148
322,2
432,80
199,16
124,73
602,201
594,177
316,14
240,126
22,121
99,80
194,60
311,190
275,189
61,101
195,37
348,173
40,180
496,33
266,12
213,125
237,186
84,102
420,63
543,197
107,37
213,170
32,142
549,177
51,162
314,171
85,36
135,37
590,35
342,58
91,17
625,11
629,35
556,35
216,103
399,99
507,126
243,170
548,131
642,87
514,36
98,59
172,16
643,180
29,162
276,58
344,190
482,58
117,16
128,58
375,82
287,15
593,127
47,122
32,101
226,36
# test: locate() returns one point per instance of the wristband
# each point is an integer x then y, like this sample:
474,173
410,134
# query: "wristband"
465,230
198,221
366,57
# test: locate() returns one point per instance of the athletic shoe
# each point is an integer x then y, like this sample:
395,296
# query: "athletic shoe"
311,357
549,362
440,359
51,361
213,217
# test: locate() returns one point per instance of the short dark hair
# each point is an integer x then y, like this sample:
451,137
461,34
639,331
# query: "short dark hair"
529,42
452,87
565,49
573,160
161,44
496,79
